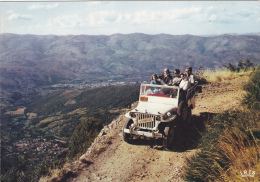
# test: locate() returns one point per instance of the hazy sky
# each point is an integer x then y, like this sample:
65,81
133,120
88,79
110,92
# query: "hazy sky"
149,17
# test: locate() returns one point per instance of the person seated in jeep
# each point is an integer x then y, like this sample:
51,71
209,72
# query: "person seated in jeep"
177,77
161,78
167,77
154,80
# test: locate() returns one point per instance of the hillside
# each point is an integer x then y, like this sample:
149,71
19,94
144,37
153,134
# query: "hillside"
111,159
30,61
29,145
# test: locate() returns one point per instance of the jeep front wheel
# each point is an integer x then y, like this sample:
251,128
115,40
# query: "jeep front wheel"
183,110
168,138
126,136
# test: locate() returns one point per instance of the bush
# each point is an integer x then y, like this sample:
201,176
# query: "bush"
241,66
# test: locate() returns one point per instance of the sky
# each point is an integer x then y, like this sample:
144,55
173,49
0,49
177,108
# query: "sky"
125,17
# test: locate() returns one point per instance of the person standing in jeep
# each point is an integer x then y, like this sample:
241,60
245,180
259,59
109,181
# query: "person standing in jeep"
185,84
189,75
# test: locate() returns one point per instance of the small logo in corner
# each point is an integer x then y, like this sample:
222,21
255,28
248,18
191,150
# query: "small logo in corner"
248,173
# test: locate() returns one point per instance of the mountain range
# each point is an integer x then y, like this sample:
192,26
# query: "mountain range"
30,61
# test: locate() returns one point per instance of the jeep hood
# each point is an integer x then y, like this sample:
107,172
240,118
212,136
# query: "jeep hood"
153,108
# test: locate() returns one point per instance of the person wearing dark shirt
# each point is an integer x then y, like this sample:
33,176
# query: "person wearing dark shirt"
167,77
161,78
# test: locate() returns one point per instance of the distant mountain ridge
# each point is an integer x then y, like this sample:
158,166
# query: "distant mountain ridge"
35,60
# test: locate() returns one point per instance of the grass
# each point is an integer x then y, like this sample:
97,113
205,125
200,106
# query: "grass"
230,147
242,151
217,75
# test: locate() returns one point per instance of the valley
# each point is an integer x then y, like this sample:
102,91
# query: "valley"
33,65
39,133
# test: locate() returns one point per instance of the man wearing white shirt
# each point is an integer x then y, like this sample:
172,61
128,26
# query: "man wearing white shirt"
189,75
184,86
185,83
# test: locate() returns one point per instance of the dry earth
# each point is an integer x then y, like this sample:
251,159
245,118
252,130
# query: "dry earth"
111,159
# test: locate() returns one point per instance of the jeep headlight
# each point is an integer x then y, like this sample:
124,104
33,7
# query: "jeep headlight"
158,118
169,114
161,118
132,114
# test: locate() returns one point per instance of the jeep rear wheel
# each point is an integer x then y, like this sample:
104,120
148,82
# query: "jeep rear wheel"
189,115
126,136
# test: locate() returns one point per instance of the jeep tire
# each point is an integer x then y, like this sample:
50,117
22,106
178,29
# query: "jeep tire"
126,136
189,115
168,139
183,111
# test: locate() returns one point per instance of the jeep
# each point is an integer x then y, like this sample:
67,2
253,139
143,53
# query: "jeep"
160,110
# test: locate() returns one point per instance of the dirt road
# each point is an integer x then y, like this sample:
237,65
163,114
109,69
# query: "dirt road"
112,159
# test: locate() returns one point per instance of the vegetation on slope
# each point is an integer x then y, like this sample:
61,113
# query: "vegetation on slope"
230,145
102,98
59,114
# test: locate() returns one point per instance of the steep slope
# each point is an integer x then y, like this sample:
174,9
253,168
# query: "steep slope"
111,159
59,113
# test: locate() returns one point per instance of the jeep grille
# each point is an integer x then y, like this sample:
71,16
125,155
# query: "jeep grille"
146,120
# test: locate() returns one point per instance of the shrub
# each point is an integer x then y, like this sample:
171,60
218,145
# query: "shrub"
241,66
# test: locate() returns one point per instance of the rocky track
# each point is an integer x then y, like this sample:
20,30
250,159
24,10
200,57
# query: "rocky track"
111,159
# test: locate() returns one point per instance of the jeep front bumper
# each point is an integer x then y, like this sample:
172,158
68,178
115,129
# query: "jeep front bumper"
151,134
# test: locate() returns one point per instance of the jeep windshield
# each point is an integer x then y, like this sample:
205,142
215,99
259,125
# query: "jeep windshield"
159,91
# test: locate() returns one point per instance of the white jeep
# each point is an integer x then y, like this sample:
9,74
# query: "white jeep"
159,111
